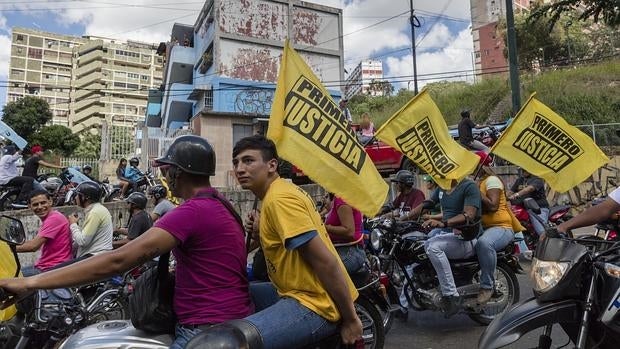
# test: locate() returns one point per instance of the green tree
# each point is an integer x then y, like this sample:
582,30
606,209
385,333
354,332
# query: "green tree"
57,138
383,87
90,146
27,115
606,11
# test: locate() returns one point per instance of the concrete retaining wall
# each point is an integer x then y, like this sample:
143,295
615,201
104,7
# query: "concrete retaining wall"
242,201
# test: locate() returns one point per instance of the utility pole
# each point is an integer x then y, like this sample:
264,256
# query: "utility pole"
414,23
512,58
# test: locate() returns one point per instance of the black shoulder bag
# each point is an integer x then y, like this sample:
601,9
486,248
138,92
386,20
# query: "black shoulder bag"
151,303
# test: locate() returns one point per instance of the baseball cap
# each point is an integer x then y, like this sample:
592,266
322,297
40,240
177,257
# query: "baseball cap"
36,149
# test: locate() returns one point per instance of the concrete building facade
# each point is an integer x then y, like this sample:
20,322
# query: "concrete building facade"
489,45
220,73
360,78
84,79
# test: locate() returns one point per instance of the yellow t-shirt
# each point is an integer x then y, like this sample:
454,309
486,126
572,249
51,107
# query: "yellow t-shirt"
287,211
7,270
501,217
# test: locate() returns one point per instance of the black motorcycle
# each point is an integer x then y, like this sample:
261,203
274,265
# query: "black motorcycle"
576,286
400,245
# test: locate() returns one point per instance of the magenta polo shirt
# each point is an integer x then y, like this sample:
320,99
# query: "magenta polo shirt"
211,281
57,246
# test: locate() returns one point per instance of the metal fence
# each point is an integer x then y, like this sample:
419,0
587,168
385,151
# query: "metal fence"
606,136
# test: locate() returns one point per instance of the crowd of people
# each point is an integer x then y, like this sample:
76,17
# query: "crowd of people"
309,255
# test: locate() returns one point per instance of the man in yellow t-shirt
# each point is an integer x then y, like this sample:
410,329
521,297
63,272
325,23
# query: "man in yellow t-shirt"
314,293
497,225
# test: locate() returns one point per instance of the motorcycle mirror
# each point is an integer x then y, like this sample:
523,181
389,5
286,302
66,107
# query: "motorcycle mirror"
531,204
12,230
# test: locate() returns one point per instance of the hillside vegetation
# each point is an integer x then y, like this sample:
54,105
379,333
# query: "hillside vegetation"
581,94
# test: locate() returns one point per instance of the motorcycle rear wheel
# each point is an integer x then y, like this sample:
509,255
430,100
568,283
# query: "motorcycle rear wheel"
505,282
373,332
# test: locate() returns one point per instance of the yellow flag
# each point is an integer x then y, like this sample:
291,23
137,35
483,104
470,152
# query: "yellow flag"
310,131
545,145
419,131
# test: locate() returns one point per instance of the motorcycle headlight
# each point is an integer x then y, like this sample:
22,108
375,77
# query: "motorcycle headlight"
546,275
375,239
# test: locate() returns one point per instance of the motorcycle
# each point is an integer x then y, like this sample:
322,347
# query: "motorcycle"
121,333
576,286
401,244
557,215
112,192
46,317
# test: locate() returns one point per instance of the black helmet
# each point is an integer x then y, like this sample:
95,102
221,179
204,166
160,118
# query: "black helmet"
89,190
134,161
158,191
137,199
192,154
87,167
405,177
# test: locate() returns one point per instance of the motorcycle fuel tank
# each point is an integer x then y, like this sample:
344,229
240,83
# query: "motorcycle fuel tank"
116,334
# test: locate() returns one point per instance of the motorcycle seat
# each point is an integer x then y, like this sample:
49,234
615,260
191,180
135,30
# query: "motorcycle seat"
555,209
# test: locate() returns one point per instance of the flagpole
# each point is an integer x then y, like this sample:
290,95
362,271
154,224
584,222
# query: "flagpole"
512,122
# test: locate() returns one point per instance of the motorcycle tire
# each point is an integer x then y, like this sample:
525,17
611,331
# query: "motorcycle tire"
513,292
373,332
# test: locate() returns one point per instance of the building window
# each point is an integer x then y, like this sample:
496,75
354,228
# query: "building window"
133,87
145,78
19,38
133,76
209,99
120,74
35,53
241,131
120,84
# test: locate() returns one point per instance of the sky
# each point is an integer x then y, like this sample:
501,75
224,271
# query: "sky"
443,40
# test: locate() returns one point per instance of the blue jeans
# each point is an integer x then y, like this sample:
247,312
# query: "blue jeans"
492,240
183,335
438,231
353,257
442,247
283,322
544,216
402,299
30,271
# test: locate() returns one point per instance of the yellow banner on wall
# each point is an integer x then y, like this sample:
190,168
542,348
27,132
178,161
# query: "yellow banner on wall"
419,131
310,131
545,145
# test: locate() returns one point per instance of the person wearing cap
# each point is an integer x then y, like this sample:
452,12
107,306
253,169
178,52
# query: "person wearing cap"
345,111
466,136
497,225
139,219
160,202
433,189
206,239
530,186
96,234
31,166
408,197
460,205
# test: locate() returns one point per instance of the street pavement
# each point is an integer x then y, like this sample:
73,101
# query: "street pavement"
430,330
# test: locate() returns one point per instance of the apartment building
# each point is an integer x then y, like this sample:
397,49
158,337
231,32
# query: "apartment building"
488,43
221,72
85,80
360,78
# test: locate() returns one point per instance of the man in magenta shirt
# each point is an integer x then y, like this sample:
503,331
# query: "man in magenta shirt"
54,237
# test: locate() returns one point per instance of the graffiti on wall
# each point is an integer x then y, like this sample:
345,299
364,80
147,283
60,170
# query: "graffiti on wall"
254,101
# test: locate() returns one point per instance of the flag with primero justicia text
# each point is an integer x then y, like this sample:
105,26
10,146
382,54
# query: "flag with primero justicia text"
311,132
545,145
